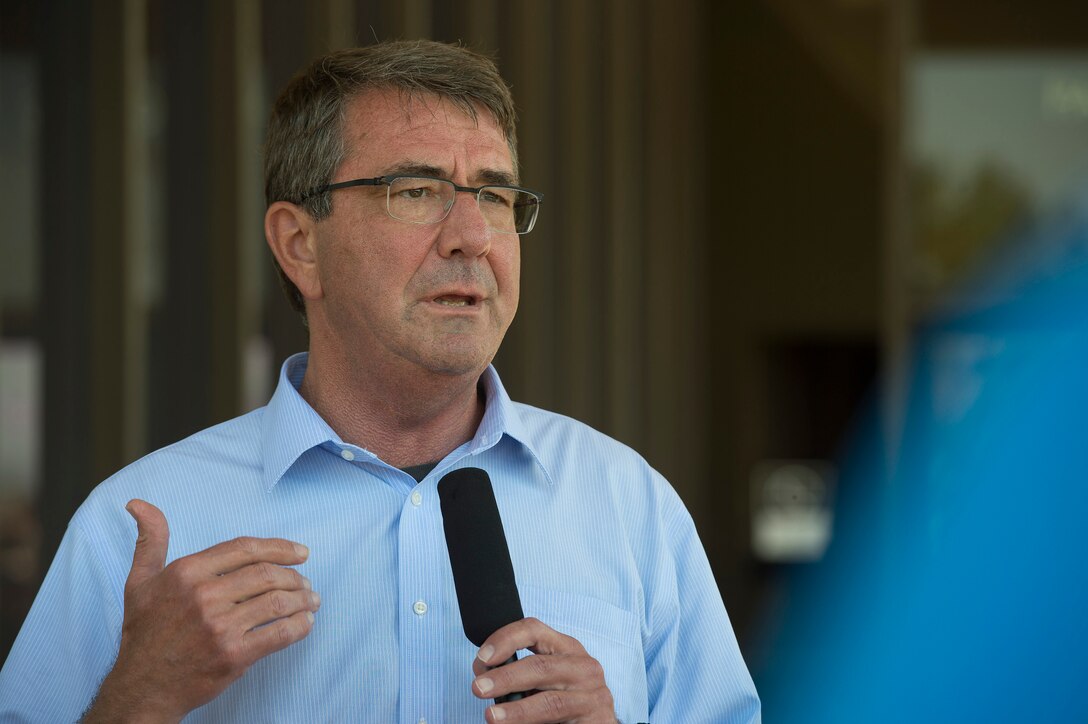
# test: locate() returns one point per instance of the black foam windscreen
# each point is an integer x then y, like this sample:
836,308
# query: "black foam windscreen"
482,572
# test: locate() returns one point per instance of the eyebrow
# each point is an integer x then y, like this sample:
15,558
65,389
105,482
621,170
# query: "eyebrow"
494,176
485,177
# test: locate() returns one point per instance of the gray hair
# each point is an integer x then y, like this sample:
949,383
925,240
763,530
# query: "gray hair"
305,142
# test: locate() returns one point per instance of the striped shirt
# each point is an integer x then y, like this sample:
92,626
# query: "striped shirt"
602,548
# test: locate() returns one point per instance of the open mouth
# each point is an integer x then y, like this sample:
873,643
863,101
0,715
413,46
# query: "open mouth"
453,300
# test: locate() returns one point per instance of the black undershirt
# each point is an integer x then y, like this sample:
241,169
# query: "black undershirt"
420,471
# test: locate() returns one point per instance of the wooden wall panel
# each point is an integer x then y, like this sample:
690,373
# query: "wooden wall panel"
675,301
626,189
527,359
91,332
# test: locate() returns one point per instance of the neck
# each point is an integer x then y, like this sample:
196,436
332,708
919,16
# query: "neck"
405,417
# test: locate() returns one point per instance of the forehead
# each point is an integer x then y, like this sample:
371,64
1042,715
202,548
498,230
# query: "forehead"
387,128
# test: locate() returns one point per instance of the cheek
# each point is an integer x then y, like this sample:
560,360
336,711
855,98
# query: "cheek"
342,271
514,285
514,288
507,267
368,261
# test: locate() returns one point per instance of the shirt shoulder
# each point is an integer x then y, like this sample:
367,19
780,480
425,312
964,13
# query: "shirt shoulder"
571,449
550,432
214,466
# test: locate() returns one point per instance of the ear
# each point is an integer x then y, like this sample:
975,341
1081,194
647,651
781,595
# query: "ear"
291,235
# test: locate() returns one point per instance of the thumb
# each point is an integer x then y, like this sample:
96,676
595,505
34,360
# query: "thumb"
153,535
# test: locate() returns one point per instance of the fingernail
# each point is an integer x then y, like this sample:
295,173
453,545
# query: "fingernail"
128,507
301,551
497,714
310,616
306,582
484,684
486,653
316,598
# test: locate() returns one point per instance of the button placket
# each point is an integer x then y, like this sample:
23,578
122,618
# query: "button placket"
421,544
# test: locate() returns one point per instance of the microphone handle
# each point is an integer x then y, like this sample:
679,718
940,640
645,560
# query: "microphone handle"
513,695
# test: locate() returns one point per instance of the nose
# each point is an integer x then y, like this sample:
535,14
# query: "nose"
464,230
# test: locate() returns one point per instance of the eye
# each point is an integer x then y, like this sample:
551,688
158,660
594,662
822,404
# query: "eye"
498,195
417,189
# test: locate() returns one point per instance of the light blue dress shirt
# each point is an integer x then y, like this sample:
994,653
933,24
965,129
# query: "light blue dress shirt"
602,547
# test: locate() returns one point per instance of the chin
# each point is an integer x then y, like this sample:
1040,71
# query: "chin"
452,355
457,365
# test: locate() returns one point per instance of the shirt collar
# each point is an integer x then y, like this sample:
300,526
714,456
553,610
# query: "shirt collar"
291,427
501,417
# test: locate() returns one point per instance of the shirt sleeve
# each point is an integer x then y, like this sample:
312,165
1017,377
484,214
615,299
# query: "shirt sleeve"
694,668
69,640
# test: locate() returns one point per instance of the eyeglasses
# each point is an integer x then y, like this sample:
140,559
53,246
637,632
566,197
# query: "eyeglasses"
426,200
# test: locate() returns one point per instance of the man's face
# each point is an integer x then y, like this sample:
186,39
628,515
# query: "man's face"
395,295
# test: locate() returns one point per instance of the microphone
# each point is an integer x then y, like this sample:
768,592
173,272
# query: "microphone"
483,575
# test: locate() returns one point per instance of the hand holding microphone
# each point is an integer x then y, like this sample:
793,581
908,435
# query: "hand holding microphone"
561,682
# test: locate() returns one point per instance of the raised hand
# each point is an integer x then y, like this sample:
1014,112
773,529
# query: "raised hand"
566,683
195,626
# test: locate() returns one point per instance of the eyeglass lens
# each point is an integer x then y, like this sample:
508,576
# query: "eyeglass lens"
427,201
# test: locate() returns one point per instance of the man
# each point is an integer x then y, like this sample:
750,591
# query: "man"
308,574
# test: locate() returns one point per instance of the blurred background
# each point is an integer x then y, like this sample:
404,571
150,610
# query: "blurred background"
761,218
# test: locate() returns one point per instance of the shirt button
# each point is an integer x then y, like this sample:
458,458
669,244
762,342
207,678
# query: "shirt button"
417,498
420,608
347,455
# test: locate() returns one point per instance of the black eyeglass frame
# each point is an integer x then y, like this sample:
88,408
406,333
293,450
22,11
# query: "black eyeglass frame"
387,181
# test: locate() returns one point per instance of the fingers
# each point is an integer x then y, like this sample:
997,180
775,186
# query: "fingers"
152,539
257,578
234,554
278,634
227,581
539,672
594,705
528,633
274,605
564,682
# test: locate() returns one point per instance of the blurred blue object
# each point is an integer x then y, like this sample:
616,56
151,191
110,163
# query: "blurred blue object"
956,585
